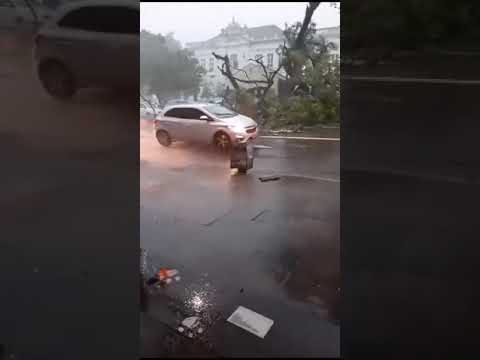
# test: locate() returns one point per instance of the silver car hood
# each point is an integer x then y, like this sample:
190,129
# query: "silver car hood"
240,120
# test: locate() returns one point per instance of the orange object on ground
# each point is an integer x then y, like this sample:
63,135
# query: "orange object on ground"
162,273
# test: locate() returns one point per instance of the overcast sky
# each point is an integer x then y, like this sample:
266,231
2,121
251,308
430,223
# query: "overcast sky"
203,20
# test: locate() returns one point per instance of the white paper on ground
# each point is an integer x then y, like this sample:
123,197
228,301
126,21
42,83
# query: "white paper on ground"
251,321
191,322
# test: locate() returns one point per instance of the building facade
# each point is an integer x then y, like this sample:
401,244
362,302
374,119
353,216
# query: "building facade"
331,34
241,43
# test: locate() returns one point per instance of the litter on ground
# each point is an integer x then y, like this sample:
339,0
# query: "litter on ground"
191,322
163,277
164,273
251,321
192,325
269,178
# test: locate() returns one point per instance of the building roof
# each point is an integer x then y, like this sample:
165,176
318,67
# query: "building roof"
235,32
262,32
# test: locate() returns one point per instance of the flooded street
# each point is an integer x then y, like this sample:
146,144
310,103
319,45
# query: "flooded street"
272,247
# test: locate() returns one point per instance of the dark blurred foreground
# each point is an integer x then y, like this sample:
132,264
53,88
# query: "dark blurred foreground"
70,220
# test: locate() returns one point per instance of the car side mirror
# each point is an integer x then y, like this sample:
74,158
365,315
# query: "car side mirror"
204,117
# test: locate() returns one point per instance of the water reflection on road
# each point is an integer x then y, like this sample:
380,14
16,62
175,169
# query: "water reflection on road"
272,247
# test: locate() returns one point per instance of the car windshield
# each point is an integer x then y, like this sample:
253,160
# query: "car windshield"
220,111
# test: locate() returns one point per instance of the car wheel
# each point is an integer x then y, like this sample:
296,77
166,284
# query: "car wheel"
57,80
222,142
163,138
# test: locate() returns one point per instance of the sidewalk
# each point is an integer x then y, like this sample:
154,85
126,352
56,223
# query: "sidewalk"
320,132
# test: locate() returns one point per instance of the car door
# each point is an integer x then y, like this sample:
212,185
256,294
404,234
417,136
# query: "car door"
171,121
194,127
203,128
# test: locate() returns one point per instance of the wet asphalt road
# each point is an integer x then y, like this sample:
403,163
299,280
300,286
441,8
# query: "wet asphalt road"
272,247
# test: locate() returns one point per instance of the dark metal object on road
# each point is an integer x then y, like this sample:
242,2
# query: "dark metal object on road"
269,178
241,157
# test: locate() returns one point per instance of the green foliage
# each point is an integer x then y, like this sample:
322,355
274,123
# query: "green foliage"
314,49
324,78
322,106
302,111
166,68
319,73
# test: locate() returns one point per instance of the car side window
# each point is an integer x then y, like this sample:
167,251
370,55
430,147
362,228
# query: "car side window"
107,19
194,114
177,113
170,113
78,19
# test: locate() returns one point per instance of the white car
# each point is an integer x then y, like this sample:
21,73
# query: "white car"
89,44
204,123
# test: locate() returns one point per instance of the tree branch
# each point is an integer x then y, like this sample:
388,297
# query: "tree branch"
144,98
260,62
226,70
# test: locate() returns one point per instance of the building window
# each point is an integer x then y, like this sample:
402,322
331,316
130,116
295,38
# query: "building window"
210,65
234,61
270,60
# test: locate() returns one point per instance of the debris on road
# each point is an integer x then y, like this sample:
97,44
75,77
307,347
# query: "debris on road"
258,215
191,322
163,277
269,178
258,147
285,131
251,321
152,281
165,273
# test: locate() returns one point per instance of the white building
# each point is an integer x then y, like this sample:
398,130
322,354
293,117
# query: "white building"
241,43
331,34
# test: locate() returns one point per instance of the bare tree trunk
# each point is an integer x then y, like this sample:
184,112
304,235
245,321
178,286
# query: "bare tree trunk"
226,70
300,40
144,98
298,47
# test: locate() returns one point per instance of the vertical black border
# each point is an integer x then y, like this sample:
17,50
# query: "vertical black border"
409,168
